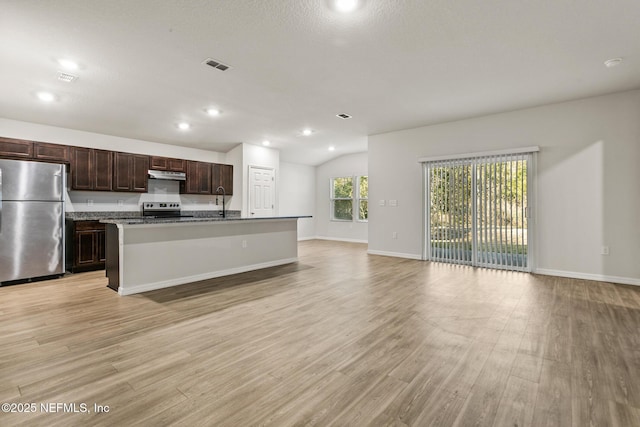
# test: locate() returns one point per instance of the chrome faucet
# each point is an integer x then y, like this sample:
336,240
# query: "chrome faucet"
224,193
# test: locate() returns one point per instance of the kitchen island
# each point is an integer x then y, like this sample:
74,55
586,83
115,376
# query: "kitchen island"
145,254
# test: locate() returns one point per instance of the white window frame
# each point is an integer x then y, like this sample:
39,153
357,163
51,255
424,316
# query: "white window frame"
355,199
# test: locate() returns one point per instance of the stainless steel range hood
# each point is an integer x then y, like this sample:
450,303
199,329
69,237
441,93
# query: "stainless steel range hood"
166,175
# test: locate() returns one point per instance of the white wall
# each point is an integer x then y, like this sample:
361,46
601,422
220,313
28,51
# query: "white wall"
347,165
234,157
588,175
117,201
298,196
253,155
36,132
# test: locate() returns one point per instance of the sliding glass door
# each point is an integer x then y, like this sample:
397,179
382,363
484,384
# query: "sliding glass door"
477,211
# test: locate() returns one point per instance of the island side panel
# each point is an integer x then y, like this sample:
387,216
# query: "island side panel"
165,255
112,264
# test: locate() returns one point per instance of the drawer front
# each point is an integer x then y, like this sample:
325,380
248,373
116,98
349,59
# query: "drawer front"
89,226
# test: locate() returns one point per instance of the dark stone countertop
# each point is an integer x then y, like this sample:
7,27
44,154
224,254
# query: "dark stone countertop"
183,220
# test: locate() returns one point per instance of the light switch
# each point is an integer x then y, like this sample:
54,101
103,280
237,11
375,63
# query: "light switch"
393,203
381,203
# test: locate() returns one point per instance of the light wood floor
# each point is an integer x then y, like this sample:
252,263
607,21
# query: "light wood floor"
340,338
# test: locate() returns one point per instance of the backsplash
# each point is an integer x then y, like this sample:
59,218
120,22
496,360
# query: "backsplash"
159,191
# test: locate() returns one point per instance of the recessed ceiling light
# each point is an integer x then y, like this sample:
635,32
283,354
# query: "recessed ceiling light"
46,96
213,111
266,143
609,63
68,64
332,148
184,126
346,5
307,132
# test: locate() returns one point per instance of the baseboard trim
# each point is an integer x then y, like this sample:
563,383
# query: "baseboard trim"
395,254
302,239
588,276
195,278
341,239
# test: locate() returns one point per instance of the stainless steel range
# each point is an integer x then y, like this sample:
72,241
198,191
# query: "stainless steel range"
163,210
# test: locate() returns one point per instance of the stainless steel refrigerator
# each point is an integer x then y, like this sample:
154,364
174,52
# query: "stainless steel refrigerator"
31,220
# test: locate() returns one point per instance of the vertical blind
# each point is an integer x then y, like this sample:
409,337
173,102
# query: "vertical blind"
477,210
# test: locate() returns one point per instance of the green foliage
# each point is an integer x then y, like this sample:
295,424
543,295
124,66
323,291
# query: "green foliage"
343,188
364,210
501,202
343,209
364,187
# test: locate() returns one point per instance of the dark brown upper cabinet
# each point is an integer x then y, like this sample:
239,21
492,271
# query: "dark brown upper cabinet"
130,172
103,170
91,169
16,148
51,152
222,176
167,164
198,178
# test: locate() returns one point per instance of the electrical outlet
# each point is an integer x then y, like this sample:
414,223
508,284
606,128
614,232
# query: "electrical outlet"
120,202
604,250
393,203
244,244
394,235
89,202
381,203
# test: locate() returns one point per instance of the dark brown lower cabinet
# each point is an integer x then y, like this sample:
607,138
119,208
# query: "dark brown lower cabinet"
86,246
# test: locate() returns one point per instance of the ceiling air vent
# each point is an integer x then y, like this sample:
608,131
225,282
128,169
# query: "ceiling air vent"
343,116
65,77
216,64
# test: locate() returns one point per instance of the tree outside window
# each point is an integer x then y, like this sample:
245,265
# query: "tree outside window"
363,198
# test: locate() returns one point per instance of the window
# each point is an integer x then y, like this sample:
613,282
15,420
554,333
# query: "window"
347,197
342,198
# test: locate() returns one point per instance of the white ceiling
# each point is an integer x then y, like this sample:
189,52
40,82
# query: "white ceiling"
392,64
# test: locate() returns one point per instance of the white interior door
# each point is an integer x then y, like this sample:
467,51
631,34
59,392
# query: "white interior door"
262,191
